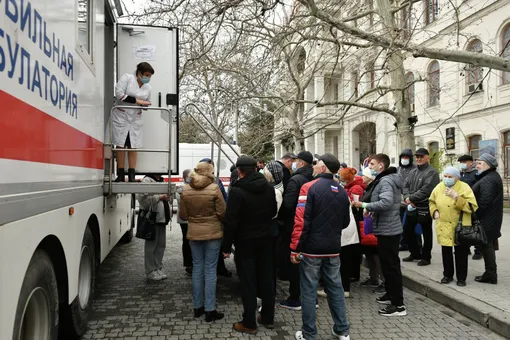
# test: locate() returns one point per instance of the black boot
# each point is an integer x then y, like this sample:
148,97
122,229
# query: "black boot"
131,175
198,312
214,315
121,176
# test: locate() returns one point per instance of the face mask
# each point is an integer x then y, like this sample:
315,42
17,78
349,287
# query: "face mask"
449,182
405,162
294,167
411,208
479,172
374,172
463,166
145,80
187,180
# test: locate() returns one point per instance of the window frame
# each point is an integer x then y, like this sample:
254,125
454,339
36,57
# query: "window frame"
505,52
410,90
431,11
355,90
471,69
506,152
434,94
431,149
87,54
471,150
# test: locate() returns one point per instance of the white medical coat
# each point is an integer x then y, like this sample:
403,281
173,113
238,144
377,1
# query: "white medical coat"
126,121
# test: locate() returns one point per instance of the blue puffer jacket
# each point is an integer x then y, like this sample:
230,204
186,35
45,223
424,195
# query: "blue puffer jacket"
385,203
322,213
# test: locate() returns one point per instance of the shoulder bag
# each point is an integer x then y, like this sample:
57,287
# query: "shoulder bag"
146,224
473,235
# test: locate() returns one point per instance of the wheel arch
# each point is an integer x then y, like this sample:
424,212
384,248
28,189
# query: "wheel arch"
93,224
53,247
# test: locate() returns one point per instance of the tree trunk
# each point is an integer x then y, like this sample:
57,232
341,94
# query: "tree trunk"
405,130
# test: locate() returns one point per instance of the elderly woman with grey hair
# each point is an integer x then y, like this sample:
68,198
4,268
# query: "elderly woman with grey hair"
488,191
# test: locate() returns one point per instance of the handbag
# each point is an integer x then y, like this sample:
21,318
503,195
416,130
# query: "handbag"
368,225
146,225
473,235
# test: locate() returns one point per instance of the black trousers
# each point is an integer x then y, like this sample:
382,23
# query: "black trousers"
425,220
489,257
187,260
461,262
387,247
349,261
254,261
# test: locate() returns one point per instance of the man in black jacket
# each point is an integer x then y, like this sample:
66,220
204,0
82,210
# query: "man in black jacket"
250,209
303,174
417,189
286,161
405,166
488,191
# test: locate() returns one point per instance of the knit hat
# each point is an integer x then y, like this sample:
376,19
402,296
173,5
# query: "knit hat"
368,173
276,170
489,159
246,161
347,174
452,171
331,162
465,158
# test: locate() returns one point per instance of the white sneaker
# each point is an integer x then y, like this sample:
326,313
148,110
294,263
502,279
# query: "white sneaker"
260,309
340,337
299,336
259,302
347,294
162,275
154,276
321,293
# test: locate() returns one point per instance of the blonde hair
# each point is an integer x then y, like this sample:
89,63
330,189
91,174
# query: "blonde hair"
268,175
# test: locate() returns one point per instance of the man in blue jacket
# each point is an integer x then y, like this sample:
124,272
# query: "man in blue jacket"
322,213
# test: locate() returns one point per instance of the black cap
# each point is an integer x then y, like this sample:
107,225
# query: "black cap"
305,156
289,155
343,165
331,162
421,152
246,162
465,158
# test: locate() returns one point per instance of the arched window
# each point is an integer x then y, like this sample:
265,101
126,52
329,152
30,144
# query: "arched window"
434,83
433,147
474,74
474,145
410,89
505,48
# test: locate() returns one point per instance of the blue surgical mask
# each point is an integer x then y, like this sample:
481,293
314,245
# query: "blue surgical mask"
463,166
187,180
405,162
146,80
374,172
449,182
294,167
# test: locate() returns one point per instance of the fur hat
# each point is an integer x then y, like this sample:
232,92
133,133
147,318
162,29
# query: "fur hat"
368,173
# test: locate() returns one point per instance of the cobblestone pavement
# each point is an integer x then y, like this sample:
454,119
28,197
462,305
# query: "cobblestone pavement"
128,307
495,295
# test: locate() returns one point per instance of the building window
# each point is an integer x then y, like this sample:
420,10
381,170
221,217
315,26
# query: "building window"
474,146
505,51
474,74
433,147
433,84
86,27
431,11
405,18
336,89
355,84
506,150
410,89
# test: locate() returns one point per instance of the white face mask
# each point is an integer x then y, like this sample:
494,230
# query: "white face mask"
405,162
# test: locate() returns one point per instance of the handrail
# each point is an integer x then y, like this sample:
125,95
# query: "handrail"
169,151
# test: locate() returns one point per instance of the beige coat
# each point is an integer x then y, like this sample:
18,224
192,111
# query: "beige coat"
203,206
449,210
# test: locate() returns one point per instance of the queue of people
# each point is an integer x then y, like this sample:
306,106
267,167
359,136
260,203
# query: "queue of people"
290,219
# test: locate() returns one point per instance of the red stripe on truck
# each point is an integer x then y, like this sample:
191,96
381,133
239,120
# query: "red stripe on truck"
29,134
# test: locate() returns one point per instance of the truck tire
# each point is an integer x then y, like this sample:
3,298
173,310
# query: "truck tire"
75,316
37,310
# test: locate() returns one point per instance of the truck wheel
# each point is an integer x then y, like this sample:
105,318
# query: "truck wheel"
75,316
37,310
128,236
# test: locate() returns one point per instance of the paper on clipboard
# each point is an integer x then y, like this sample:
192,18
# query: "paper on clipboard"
144,52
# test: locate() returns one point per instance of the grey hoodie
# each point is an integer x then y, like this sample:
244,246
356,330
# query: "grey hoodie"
385,203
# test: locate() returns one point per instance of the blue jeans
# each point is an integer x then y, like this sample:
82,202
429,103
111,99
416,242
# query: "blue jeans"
205,259
329,269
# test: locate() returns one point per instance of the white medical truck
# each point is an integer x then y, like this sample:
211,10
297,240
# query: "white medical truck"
60,211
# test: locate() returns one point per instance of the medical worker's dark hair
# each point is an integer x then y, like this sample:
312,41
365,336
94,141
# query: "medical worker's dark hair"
144,67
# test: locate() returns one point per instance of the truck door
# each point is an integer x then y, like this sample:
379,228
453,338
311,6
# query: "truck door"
158,47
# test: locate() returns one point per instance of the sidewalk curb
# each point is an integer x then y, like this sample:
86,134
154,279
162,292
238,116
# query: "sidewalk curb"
481,312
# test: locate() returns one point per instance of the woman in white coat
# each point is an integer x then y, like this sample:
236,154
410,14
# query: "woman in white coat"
131,90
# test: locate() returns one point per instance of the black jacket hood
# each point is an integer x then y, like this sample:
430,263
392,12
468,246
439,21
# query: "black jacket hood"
254,182
306,171
406,152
